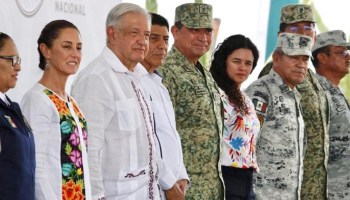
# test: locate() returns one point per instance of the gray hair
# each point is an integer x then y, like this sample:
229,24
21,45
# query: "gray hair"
115,14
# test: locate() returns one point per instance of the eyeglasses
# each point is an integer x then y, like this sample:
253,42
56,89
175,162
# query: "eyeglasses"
15,59
296,28
341,53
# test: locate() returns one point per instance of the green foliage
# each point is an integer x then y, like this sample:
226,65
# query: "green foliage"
152,6
205,59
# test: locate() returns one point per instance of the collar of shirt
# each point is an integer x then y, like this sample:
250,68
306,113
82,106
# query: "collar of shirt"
156,77
3,98
118,66
183,61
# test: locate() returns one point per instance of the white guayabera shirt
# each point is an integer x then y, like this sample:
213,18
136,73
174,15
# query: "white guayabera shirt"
121,149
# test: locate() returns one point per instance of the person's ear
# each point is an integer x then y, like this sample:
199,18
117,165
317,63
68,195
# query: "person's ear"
174,30
110,32
44,49
276,59
322,58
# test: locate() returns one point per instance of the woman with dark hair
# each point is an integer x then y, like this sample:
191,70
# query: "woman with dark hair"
17,152
233,61
60,128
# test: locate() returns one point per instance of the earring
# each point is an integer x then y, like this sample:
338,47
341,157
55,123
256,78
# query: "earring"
47,64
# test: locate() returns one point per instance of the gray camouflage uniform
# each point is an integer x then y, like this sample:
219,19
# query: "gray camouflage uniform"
316,116
315,111
199,121
281,142
339,129
339,142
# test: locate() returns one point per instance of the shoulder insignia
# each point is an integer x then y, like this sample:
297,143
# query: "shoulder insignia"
261,95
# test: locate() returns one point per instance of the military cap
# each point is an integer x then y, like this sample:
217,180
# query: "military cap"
294,44
296,13
334,38
195,15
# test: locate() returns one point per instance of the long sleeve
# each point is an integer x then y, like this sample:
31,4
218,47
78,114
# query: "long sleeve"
94,100
41,117
166,178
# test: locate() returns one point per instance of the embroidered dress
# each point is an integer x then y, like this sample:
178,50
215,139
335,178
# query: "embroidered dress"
73,129
239,135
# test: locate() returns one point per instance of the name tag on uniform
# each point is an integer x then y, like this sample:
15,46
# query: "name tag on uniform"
200,91
10,121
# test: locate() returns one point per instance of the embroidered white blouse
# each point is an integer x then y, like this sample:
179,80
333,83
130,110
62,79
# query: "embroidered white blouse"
44,118
239,135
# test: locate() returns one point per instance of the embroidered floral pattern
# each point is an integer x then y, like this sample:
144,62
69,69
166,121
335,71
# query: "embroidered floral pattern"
71,150
239,135
72,191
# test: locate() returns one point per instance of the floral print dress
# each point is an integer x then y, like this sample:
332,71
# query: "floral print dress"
73,144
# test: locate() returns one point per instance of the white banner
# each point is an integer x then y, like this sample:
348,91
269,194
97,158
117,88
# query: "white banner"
23,20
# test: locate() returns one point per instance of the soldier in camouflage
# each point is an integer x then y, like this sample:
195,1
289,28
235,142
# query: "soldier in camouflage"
331,59
196,100
298,19
280,145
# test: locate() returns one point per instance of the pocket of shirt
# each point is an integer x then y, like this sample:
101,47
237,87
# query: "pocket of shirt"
128,116
128,182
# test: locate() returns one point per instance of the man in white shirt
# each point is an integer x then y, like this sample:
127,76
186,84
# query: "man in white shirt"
121,144
168,139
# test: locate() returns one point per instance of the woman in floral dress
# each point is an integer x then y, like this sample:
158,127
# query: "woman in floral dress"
60,130
232,63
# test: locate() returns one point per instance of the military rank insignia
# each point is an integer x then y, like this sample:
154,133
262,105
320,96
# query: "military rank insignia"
10,121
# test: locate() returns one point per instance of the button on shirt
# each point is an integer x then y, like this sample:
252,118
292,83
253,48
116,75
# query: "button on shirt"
121,150
169,145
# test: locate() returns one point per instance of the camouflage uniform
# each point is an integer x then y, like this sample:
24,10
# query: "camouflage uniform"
339,142
339,129
314,106
198,110
280,148
199,122
280,145
316,116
